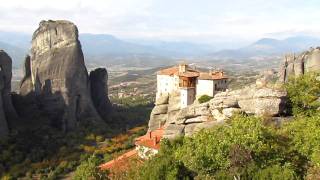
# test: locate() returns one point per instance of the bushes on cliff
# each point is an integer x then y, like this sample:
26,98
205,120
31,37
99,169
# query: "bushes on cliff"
88,169
243,149
303,92
305,135
164,165
204,98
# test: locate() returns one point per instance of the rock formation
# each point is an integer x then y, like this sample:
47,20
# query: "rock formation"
55,74
7,111
165,110
295,65
184,122
99,91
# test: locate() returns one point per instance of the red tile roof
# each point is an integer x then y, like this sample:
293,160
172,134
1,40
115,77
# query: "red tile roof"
175,71
212,76
151,139
193,73
189,74
169,71
119,162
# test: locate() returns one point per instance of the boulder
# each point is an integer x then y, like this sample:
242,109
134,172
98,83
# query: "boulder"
174,101
160,109
229,112
189,129
224,100
57,74
199,119
99,91
218,115
156,121
173,131
194,111
265,101
164,99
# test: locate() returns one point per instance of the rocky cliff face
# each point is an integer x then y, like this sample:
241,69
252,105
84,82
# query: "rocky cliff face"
165,110
7,111
295,65
184,122
99,92
56,76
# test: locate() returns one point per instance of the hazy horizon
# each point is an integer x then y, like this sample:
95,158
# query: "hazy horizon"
205,21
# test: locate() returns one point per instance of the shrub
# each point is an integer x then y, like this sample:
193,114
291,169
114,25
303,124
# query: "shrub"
164,165
305,135
213,152
204,98
89,170
303,93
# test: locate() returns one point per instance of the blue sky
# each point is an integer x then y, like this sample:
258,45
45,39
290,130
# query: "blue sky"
204,21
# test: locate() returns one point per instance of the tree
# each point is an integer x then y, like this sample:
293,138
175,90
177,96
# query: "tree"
89,170
304,92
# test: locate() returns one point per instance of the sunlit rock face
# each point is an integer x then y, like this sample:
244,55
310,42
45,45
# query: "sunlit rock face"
253,100
7,111
295,65
56,72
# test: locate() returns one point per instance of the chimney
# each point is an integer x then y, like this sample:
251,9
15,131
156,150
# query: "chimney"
183,68
150,134
155,140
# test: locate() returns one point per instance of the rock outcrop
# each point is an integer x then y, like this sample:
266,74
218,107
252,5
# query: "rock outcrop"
166,109
184,122
99,91
55,74
7,111
295,65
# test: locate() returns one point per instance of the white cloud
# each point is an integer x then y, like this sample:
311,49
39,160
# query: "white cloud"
203,20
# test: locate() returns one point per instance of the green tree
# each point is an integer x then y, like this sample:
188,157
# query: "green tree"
304,92
212,152
89,170
305,135
164,166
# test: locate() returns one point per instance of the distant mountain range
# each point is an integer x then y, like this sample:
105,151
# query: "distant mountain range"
107,49
270,47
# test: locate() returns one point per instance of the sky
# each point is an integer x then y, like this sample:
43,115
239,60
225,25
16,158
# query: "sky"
203,21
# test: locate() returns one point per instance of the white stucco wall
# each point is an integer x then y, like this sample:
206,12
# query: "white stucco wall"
210,87
146,152
187,96
205,87
166,84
